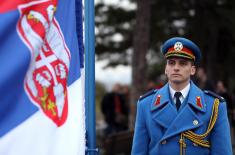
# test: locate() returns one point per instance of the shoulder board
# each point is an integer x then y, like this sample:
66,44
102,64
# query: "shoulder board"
147,94
214,95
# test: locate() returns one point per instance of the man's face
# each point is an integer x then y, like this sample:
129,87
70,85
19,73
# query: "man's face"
179,70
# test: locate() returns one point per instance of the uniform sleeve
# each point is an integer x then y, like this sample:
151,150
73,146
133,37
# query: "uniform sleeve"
220,136
141,137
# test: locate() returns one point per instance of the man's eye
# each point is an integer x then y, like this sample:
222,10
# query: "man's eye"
171,62
183,63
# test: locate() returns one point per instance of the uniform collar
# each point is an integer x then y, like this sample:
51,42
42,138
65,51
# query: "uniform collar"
164,97
193,94
165,114
184,91
196,98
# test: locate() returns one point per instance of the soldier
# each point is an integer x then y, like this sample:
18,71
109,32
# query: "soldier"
180,118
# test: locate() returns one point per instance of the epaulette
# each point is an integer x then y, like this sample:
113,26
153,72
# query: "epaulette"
147,94
214,95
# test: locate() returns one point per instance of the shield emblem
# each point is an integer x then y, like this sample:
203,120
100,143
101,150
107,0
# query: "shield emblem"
46,78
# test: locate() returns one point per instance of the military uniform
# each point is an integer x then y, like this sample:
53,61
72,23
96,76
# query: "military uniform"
199,127
159,125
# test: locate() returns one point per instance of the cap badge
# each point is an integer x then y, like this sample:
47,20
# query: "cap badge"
178,46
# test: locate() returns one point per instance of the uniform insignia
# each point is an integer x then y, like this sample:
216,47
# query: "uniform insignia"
157,102
147,94
178,46
214,95
199,103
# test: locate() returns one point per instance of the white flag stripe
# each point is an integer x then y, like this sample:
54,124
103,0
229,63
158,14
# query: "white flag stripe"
44,137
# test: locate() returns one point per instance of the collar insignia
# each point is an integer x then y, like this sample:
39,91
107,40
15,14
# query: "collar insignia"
157,102
199,103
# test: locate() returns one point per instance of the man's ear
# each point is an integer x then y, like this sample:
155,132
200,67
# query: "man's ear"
165,70
193,70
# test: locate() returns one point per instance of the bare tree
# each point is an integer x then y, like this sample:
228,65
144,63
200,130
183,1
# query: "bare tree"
141,46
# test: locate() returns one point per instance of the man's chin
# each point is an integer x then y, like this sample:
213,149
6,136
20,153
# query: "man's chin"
176,81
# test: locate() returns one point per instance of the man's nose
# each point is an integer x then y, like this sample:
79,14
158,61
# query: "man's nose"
176,66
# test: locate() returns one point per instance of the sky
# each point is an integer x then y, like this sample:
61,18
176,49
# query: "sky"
120,74
112,75
119,3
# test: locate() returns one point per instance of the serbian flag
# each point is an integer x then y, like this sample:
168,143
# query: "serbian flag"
41,78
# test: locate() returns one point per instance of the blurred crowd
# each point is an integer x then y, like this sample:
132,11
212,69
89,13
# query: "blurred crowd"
115,109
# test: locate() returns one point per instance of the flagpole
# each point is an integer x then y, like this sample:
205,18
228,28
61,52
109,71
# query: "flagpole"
90,77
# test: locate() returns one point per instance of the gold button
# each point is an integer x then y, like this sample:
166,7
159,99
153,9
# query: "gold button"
163,142
195,122
194,144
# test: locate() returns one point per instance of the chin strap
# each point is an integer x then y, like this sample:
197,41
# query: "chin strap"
199,138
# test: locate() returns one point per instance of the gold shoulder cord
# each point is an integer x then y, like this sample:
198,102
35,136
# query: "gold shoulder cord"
196,138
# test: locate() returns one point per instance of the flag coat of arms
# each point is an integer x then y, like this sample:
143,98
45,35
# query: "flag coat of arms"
41,79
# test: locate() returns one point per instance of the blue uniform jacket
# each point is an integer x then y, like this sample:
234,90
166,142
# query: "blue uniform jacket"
158,127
